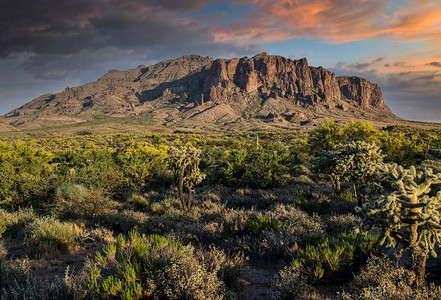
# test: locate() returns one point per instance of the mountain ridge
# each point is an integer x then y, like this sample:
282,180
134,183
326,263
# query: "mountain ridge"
193,90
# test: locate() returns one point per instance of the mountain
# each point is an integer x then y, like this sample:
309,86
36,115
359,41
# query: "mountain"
265,91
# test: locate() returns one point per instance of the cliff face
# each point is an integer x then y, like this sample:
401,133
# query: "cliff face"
270,76
362,92
277,76
192,87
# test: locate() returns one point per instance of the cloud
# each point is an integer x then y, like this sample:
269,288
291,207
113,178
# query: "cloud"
335,21
54,39
435,64
181,5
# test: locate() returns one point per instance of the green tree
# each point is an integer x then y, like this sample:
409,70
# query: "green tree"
355,162
329,134
409,216
185,166
142,163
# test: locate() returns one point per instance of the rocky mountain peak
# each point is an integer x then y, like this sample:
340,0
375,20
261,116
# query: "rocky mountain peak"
196,88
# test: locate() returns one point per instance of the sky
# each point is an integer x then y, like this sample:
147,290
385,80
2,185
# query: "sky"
48,45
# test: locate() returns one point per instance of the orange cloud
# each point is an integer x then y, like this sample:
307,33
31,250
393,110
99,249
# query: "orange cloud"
335,21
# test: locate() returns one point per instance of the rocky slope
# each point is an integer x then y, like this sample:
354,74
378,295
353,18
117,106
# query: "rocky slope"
192,91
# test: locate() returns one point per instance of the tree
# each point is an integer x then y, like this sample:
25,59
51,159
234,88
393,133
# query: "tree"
409,216
355,162
185,166
328,134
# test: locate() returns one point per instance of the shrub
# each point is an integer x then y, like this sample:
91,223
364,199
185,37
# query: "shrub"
122,221
383,279
259,168
308,206
142,266
91,167
355,162
18,283
227,267
328,134
324,255
401,149
73,200
288,284
273,239
17,220
46,237
263,223
25,173
341,223
138,201
143,164
2,228
3,251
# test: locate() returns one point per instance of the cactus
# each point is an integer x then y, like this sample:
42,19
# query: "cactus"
409,216
354,162
185,166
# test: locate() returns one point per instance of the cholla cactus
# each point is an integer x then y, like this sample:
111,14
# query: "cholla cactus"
408,216
355,162
185,166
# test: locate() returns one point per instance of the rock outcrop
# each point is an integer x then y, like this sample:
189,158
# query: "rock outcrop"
277,76
361,92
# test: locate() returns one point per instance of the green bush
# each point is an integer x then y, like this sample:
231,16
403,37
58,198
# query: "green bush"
398,147
258,168
74,200
2,228
143,164
263,223
17,220
142,266
25,173
91,167
328,134
324,255
138,201
355,162
308,206
47,237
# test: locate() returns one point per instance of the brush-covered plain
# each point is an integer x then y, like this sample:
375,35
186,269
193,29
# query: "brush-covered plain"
191,216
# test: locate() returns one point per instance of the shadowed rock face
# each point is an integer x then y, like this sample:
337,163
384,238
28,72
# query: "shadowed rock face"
222,89
362,92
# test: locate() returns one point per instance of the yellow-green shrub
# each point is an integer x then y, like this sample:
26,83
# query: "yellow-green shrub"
46,237
25,172
73,200
142,266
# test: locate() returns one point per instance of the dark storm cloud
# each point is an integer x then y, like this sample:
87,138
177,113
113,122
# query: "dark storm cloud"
60,37
180,5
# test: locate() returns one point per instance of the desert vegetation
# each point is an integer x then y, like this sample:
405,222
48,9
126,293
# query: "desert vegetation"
343,211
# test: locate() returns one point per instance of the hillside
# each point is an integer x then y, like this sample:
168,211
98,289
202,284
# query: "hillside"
194,92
